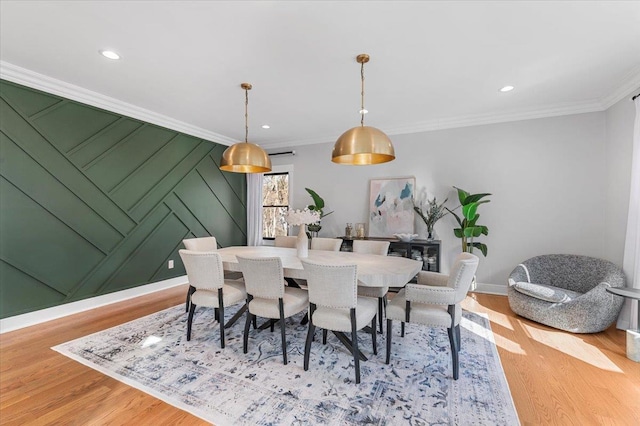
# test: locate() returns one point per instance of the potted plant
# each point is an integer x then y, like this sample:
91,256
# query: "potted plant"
433,213
469,228
317,206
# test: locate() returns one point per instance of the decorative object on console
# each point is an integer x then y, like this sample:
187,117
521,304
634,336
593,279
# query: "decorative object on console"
469,229
317,206
301,218
360,230
391,206
405,238
363,145
434,213
245,157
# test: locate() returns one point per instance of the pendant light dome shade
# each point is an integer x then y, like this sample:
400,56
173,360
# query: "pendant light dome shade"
245,157
364,145
361,146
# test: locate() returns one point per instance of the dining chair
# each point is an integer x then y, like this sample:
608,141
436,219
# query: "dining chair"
198,244
205,273
435,302
334,305
285,241
327,244
268,297
380,248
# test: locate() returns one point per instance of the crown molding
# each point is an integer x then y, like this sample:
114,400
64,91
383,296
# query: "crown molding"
462,121
631,83
51,85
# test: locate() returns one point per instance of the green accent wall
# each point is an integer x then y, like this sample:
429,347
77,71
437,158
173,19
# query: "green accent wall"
93,202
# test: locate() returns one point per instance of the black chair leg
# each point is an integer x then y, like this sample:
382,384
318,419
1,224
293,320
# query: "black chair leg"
354,345
324,336
310,334
192,309
458,336
454,351
401,329
245,338
373,335
380,308
191,290
221,317
389,331
284,339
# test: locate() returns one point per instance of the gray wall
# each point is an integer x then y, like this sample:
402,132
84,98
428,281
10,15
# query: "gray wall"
552,181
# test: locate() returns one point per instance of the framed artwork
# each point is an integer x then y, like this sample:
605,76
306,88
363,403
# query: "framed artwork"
391,206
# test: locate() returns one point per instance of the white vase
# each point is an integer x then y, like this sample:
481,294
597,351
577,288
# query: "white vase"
302,243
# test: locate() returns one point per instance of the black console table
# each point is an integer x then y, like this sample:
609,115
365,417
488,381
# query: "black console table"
427,251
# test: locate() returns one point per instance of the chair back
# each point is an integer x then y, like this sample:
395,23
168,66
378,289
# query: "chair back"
462,273
285,241
263,276
201,244
334,286
204,269
380,248
327,244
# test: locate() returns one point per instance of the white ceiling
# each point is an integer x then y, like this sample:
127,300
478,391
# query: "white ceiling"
433,64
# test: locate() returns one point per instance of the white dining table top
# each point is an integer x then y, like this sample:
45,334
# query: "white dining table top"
373,270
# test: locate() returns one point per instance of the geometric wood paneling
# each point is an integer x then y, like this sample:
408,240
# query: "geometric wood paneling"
93,202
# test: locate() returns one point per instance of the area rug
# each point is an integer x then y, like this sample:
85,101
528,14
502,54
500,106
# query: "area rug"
228,387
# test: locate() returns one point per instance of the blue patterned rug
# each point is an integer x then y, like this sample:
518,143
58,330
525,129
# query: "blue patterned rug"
227,387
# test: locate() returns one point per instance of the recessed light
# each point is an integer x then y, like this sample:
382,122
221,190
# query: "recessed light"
110,54
363,111
507,89
266,126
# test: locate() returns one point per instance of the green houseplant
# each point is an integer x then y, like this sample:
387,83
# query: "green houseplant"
317,206
468,221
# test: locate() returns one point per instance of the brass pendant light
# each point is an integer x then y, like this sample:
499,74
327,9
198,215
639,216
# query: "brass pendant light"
245,157
363,145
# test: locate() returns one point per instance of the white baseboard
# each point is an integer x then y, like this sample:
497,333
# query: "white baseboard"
491,289
32,318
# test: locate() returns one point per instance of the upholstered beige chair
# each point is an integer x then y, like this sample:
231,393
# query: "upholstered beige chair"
205,273
435,302
198,244
327,244
334,305
285,241
268,297
380,248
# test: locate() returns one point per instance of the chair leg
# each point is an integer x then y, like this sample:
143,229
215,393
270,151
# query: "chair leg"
373,335
310,333
389,331
191,290
458,336
380,308
221,316
284,339
324,336
354,345
216,314
192,309
247,323
245,337
454,351
402,329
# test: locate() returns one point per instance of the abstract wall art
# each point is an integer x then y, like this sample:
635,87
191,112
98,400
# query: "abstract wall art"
391,206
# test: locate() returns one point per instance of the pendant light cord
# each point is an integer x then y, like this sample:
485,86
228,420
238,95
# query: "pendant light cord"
246,115
362,94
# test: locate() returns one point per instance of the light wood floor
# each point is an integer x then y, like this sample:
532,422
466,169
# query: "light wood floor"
555,377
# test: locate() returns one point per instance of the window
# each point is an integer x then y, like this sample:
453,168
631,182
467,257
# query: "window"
275,204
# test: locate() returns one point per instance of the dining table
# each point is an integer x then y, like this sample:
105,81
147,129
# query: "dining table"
373,270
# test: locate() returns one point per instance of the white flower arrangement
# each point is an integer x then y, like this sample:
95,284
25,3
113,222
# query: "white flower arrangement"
302,217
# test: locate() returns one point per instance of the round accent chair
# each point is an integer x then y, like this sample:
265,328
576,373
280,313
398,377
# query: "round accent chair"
567,292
